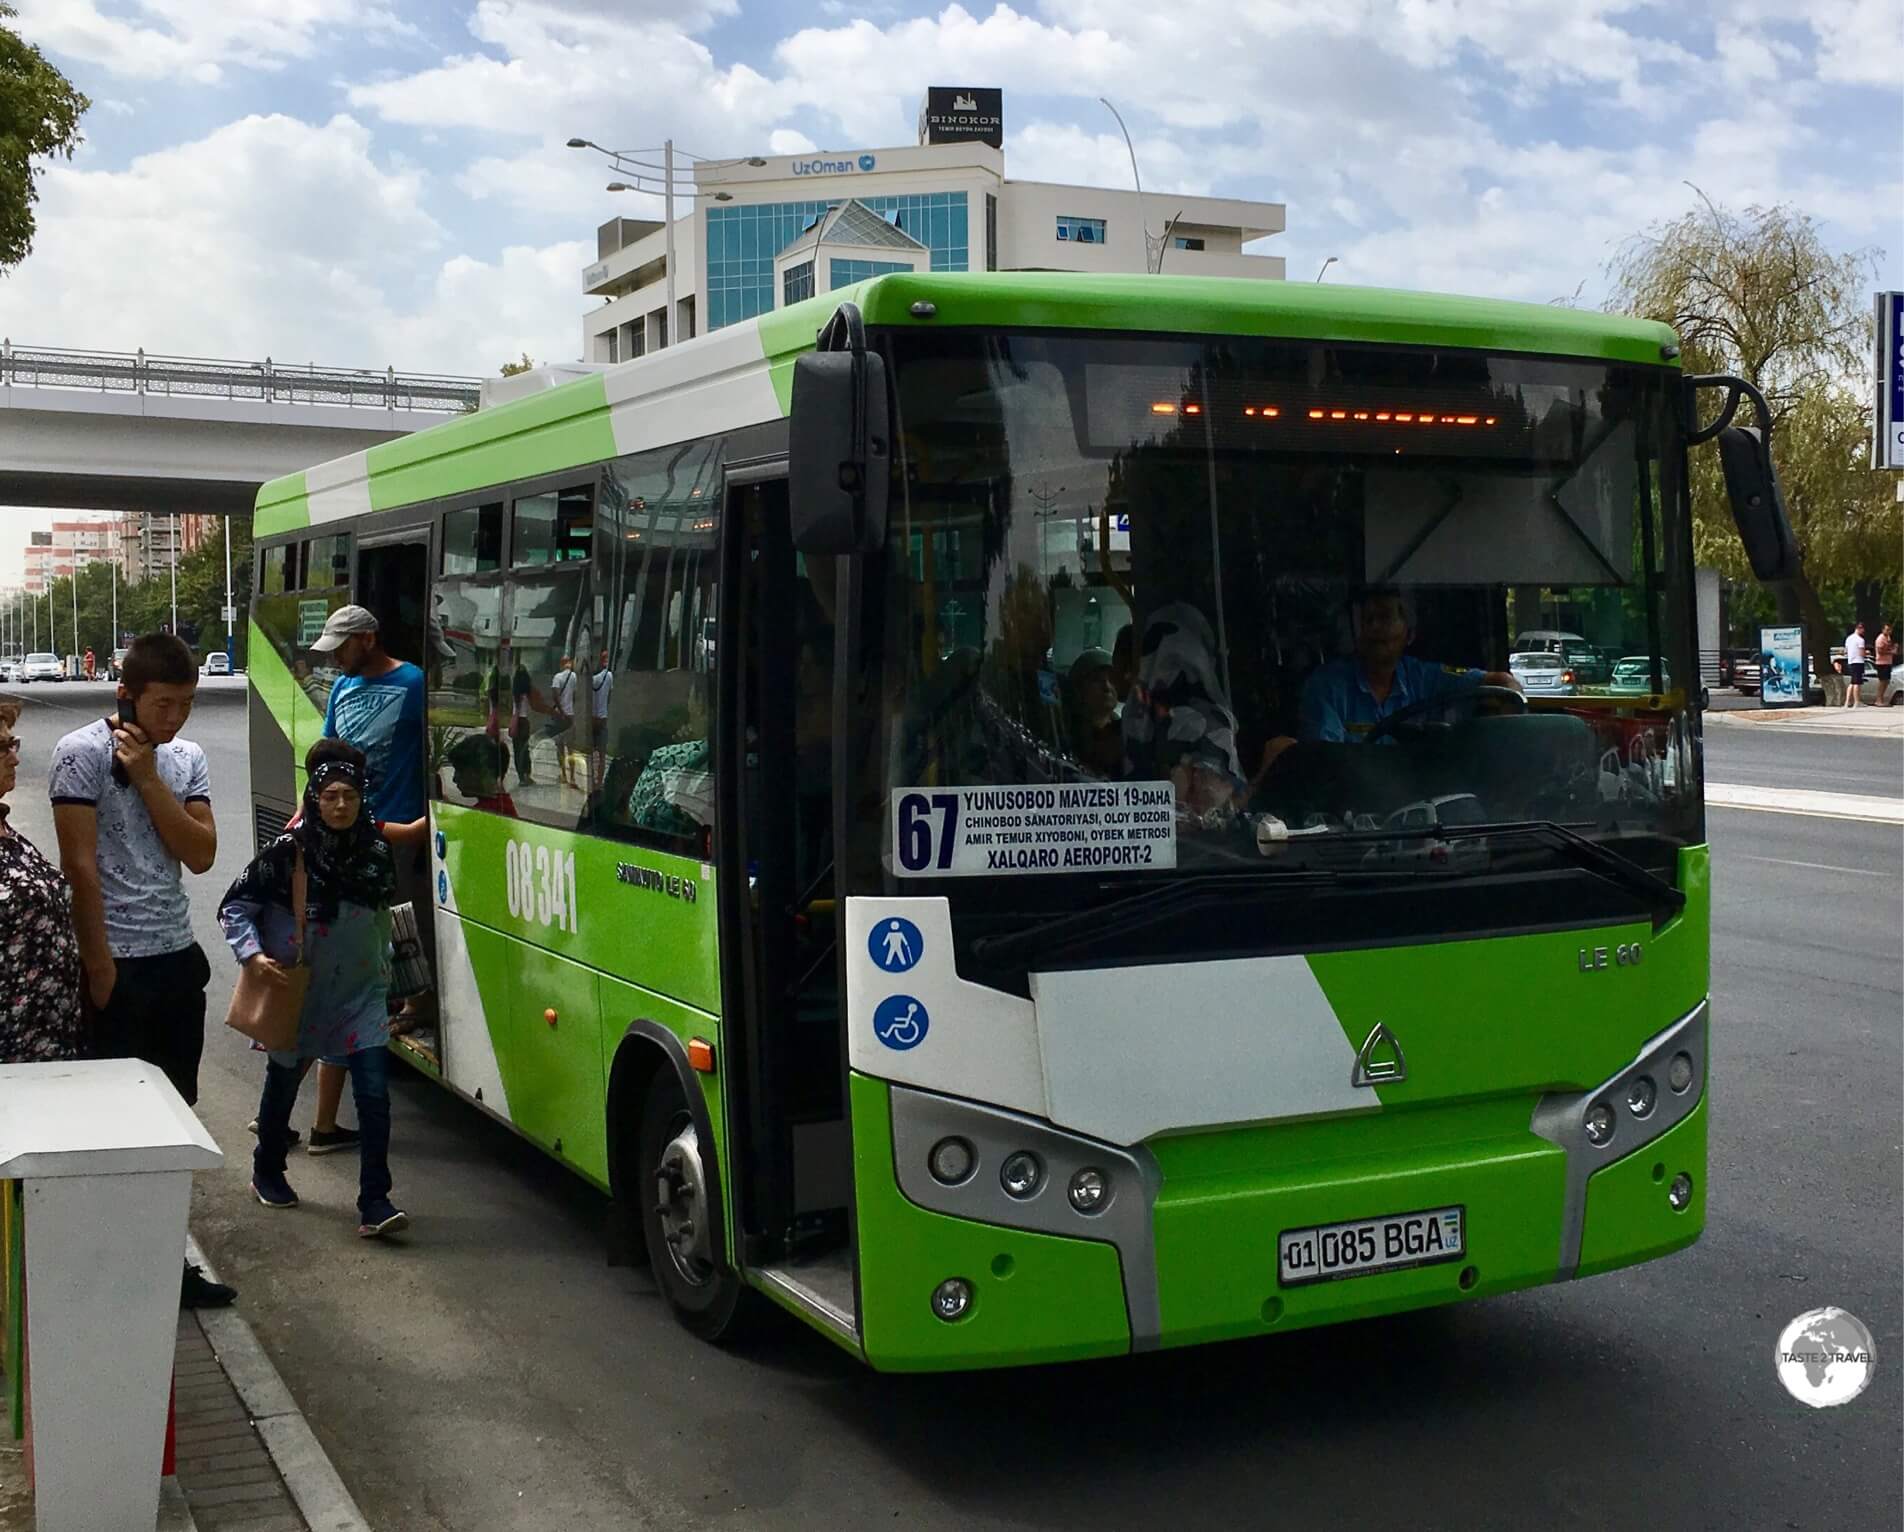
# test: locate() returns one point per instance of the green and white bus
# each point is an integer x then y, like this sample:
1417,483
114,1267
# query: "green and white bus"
995,900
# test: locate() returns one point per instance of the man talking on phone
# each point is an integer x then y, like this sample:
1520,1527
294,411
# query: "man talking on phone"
131,803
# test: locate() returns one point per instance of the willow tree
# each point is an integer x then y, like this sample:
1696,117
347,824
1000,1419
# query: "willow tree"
1759,295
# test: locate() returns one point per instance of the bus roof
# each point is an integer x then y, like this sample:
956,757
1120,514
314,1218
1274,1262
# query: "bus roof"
742,374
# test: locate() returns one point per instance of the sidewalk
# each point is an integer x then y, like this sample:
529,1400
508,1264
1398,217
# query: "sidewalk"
246,1458
1870,719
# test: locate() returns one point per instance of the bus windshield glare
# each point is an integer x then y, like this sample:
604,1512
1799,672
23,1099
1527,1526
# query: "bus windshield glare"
1339,598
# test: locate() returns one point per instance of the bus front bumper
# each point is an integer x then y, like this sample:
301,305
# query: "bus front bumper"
1185,1249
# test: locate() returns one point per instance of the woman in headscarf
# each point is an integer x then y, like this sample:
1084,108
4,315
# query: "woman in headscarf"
350,875
1177,724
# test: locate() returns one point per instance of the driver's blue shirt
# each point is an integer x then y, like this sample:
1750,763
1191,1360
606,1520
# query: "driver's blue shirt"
1338,707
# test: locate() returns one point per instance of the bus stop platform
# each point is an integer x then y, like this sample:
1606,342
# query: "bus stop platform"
246,1458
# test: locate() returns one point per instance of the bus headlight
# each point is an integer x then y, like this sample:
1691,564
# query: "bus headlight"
1089,1189
1021,1175
1599,1124
951,1161
1641,1095
1679,1073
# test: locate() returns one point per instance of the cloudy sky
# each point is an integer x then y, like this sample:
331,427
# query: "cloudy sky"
371,182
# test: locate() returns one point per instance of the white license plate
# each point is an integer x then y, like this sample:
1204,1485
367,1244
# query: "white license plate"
1370,1244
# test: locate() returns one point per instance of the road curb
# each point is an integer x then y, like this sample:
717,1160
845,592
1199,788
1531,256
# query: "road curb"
1808,721
301,1461
175,1515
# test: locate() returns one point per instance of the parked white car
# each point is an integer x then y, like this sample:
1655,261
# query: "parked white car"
1634,674
1541,674
218,663
42,667
10,670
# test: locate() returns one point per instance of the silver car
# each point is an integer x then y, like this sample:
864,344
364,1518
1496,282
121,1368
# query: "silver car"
1541,674
42,667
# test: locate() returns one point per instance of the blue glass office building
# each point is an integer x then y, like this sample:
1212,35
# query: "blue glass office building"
743,241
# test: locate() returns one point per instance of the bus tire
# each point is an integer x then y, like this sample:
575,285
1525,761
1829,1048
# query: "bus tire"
672,1171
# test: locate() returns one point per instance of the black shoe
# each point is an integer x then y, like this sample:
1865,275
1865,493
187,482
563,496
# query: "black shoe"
197,1291
329,1143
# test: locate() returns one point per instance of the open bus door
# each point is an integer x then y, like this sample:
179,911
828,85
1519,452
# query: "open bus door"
782,1022
392,581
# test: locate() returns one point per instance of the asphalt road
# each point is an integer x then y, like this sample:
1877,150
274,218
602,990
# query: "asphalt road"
1785,755
494,1372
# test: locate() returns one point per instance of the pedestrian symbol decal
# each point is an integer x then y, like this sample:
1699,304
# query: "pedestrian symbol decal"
900,1022
895,944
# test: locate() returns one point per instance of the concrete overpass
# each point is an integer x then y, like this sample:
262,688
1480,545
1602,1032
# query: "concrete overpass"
125,431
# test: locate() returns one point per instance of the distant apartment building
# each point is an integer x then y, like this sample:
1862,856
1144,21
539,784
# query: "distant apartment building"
143,546
68,546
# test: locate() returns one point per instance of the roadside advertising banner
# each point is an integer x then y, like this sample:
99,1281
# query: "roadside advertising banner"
1782,667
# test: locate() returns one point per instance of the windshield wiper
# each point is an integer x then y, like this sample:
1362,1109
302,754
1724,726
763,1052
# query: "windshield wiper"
1586,851
1140,909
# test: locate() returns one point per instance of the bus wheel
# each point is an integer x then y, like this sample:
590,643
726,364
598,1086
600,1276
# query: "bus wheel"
675,1172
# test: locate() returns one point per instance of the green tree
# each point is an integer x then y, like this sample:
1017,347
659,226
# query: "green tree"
527,364
39,116
1759,295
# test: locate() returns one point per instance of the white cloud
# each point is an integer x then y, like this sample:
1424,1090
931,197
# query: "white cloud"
787,141
277,237
617,81
198,39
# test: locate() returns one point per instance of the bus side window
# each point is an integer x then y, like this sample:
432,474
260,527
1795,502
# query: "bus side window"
552,634
651,763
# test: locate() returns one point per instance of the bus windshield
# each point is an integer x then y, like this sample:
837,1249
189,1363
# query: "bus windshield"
1303,604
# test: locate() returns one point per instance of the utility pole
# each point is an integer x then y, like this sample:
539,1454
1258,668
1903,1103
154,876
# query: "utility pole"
231,616
175,532
76,649
113,649
667,162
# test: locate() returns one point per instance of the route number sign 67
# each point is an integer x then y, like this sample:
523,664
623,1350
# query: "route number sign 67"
541,884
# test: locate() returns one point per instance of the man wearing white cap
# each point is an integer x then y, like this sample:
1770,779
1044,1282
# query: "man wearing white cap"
378,707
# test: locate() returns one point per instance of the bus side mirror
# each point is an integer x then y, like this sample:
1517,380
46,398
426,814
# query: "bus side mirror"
1757,505
839,459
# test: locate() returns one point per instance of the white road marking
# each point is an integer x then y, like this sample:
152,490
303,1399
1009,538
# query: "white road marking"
1799,800
1786,861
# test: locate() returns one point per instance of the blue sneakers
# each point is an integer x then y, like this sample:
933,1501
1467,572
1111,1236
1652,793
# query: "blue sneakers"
272,1191
381,1218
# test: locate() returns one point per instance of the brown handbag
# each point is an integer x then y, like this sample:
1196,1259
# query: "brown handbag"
269,1013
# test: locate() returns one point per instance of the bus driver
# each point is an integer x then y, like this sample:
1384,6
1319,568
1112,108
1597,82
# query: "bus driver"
1345,699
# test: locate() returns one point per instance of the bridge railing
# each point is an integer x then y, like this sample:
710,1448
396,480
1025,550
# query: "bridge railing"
209,378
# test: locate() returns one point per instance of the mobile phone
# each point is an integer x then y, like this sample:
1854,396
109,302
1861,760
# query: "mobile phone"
128,713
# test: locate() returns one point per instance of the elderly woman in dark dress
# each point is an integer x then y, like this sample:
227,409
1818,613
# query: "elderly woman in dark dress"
39,954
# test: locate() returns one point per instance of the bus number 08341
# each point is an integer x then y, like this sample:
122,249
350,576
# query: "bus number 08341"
541,884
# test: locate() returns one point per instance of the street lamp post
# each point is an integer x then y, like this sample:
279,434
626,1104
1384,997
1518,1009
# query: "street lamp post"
1326,265
175,531
1153,247
624,160
231,615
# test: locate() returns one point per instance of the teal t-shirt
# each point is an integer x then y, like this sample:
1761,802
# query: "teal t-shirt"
383,717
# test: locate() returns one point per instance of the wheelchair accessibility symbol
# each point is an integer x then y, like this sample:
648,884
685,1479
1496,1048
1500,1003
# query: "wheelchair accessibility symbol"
900,1022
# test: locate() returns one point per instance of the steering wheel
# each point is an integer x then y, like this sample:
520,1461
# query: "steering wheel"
1468,696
